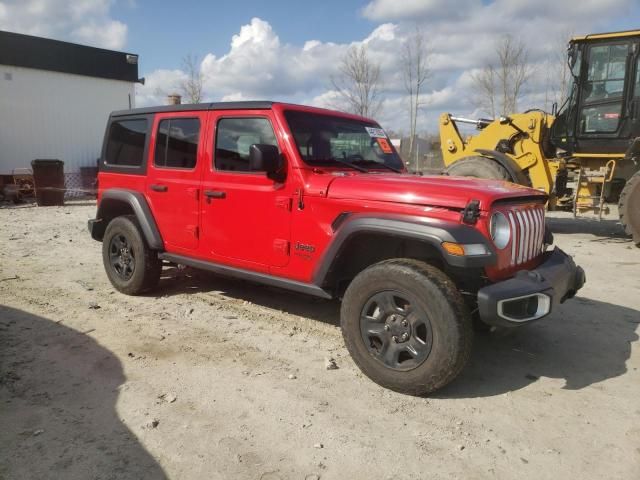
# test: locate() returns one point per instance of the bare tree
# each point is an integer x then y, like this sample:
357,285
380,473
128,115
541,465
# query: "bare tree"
358,82
499,86
485,90
415,63
558,73
191,86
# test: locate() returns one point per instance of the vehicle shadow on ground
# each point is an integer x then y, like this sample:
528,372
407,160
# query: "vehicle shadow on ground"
605,228
583,342
58,393
189,280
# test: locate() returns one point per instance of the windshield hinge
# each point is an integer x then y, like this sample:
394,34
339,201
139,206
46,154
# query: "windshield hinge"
471,212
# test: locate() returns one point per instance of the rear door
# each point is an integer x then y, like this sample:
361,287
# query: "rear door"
173,177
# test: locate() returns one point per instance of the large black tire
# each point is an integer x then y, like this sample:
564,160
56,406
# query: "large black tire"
132,267
629,208
437,319
479,167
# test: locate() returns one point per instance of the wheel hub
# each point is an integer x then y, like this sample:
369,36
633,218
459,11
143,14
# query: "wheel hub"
125,255
396,330
121,257
398,327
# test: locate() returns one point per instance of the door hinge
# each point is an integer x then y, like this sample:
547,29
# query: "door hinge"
193,230
284,203
300,194
281,246
194,192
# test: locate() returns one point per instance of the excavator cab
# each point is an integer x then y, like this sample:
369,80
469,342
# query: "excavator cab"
602,113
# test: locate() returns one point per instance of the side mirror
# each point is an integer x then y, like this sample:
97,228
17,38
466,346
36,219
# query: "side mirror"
266,158
504,120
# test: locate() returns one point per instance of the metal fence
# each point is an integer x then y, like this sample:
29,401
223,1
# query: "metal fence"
78,185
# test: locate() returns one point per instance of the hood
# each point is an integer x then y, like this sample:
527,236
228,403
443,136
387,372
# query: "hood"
442,191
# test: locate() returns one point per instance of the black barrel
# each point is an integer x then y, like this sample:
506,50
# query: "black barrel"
48,176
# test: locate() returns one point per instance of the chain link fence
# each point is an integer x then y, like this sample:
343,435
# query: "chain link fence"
80,184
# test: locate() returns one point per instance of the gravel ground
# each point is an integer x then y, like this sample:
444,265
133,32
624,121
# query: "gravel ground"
213,378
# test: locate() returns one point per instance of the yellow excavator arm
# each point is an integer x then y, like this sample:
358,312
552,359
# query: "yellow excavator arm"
517,143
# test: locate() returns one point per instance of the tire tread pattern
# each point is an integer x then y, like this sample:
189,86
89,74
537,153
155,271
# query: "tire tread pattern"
479,167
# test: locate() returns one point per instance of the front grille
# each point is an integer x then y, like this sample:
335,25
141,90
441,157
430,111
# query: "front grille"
527,232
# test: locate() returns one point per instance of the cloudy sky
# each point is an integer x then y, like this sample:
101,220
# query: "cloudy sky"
288,49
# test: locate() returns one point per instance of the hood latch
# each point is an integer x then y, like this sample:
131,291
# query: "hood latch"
471,212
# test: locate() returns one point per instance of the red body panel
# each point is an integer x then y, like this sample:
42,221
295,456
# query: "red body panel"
283,228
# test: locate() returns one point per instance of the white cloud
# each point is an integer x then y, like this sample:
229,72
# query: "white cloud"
462,35
158,85
82,21
415,9
234,97
258,65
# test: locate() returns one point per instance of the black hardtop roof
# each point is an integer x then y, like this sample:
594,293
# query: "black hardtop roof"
244,105
192,107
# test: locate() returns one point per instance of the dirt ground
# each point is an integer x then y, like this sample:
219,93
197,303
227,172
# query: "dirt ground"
210,378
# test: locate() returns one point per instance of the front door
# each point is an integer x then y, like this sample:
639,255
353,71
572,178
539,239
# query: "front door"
173,177
245,215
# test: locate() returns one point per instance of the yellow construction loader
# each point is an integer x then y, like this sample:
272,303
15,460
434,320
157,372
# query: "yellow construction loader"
586,155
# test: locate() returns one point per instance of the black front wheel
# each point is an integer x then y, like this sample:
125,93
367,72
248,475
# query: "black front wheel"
406,326
132,267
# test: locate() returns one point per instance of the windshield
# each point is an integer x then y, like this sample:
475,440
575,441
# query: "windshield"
325,140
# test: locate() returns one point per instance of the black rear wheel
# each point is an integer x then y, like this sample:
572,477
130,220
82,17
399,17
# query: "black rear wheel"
406,326
132,267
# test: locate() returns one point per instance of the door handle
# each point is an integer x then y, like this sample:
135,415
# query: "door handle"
215,194
159,188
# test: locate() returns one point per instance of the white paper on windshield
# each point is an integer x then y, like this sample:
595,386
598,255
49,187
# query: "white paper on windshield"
375,132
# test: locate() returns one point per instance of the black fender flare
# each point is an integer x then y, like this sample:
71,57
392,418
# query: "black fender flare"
140,209
509,164
429,230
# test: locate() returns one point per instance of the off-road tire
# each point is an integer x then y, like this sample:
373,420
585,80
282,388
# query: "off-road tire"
479,167
147,269
438,297
629,208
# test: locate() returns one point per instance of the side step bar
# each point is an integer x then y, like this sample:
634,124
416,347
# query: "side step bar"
270,280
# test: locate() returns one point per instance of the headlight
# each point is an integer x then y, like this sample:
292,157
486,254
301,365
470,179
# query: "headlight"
500,230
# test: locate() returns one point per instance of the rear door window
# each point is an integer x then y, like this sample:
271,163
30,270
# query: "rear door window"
177,143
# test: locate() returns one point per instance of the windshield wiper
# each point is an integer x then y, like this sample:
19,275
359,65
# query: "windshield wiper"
341,162
378,164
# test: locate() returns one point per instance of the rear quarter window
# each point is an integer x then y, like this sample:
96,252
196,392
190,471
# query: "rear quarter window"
126,142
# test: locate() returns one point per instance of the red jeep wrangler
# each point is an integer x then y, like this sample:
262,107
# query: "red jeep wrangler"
319,202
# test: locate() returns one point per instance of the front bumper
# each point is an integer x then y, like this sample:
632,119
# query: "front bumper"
531,294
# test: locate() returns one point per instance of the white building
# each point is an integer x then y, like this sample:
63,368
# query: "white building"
55,99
